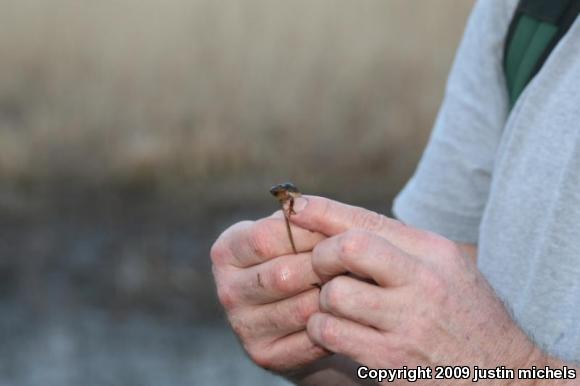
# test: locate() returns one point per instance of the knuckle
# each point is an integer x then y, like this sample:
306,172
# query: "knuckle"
352,242
370,220
219,252
227,296
282,278
303,308
238,326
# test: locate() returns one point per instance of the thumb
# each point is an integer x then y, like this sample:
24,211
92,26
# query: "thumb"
331,217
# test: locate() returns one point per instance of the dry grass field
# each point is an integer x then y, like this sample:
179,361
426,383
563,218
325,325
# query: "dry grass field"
133,131
210,96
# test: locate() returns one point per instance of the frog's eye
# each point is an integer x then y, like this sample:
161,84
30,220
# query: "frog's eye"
290,187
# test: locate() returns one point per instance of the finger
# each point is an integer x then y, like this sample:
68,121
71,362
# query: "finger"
330,218
279,214
364,303
275,320
276,279
366,255
288,353
252,242
346,337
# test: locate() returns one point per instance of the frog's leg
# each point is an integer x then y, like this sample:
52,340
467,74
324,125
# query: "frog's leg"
287,219
290,234
291,207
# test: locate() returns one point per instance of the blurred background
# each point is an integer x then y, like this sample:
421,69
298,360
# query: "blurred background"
132,132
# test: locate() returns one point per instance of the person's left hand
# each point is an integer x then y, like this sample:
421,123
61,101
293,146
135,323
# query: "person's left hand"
411,297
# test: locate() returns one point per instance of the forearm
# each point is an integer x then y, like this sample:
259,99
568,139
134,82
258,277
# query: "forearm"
572,372
536,368
335,370
538,359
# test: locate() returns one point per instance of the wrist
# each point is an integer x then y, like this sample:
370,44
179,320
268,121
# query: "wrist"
536,359
546,370
565,373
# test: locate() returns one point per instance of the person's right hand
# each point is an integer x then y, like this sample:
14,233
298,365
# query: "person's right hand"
268,292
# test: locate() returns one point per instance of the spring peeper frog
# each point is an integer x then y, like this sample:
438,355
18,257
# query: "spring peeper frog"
285,194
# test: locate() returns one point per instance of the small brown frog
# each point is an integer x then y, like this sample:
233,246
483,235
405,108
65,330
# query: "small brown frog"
285,194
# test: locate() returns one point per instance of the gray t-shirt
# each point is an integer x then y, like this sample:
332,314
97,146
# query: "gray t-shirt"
510,180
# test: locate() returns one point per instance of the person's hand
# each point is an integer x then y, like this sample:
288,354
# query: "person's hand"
412,298
268,292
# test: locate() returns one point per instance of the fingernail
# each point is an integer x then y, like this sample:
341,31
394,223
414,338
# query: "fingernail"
299,204
313,327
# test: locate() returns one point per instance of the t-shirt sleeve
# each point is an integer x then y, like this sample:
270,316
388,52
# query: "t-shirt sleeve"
448,192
